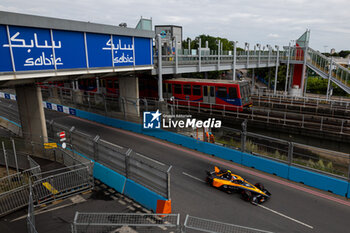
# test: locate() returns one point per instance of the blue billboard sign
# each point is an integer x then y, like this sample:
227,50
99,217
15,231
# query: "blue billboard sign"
44,49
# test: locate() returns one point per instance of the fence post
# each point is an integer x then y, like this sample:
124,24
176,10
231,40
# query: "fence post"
95,141
168,182
14,153
290,152
244,135
127,162
5,157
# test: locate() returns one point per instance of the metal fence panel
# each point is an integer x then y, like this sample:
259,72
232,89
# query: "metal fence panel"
14,199
112,155
149,173
194,224
116,222
82,143
63,184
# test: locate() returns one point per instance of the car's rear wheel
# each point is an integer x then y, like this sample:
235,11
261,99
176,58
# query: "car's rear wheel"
247,195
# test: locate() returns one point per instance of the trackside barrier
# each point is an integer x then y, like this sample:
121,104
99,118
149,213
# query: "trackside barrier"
109,177
320,181
128,172
195,224
142,195
125,222
139,193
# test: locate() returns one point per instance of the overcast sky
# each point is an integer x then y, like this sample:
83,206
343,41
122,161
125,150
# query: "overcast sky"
260,21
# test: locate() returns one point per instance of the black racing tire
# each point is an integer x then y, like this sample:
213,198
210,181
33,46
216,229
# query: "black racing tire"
247,195
209,181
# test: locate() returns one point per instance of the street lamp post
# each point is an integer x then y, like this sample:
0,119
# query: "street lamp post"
276,73
246,47
234,60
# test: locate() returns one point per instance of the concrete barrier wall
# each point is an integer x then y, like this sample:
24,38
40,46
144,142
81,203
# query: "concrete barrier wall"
109,177
319,181
142,195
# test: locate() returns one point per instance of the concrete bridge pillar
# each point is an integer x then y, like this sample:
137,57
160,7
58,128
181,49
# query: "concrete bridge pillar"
129,95
31,112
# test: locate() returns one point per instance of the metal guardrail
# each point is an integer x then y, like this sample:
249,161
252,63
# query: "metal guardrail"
139,222
195,224
122,222
132,165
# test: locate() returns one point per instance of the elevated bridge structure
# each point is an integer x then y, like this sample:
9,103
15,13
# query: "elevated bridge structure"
293,56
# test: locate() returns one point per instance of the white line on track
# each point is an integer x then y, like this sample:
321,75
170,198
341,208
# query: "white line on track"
285,216
193,177
43,211
151,159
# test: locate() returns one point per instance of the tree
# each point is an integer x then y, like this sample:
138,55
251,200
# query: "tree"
212,43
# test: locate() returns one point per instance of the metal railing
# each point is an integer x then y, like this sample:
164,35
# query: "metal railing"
131,164
195,224
31,216
61,183
122,222
320,160
323,63
47,186
139,222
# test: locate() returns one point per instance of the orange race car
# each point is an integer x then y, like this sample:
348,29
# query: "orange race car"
226,181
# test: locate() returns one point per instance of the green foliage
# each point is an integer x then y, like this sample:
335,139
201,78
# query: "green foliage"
212,43
342,53
318,85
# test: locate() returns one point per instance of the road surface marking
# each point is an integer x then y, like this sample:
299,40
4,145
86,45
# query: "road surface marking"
160,163
50,187
193,177
43,211
285,216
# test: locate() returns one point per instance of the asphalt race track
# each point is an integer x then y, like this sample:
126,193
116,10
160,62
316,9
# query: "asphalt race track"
292,208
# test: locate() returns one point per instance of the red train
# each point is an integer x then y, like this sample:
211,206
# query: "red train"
219,94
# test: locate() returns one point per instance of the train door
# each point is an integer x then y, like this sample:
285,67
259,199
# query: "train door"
167,91
212,99
209,94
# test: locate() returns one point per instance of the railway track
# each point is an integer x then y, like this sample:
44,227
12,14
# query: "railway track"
335,109
325,124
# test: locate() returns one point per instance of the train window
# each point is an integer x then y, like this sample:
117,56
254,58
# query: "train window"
164,88
169,88
222,92
212,92
116,83
196,90
109,83
187,89
205,91
232,92
177,89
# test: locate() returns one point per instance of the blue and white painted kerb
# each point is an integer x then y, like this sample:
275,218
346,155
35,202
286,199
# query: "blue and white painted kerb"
51,106
8,96
60,108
